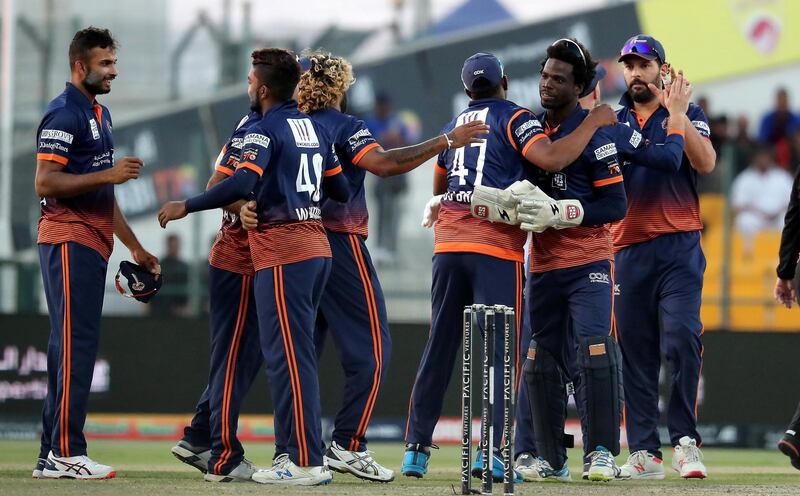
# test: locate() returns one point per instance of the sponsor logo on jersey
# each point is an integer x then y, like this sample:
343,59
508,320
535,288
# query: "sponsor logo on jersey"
95,131
247,156
56,135
599,277
636,138
702,127
256,139
308,213
605,151
617,291
360,138
238,143
53,146
559,181
304,134
613,168
527,125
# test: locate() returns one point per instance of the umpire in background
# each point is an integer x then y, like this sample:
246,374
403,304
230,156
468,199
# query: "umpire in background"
786,291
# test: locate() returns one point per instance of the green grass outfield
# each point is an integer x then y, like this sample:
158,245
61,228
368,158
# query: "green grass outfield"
148,468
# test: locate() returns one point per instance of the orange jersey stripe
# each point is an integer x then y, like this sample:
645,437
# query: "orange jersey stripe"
250,165
532,141
281,244
676,131
223,170
363,152
333,172
438,169
647,219
456,230
560,249
52,157
605,182
508,127
67,346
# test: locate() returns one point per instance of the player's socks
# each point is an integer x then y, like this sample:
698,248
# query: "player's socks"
358,463
642,465
194,456
790,446
76,467
688,460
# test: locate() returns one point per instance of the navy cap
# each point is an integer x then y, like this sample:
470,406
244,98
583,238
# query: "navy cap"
598,76
643,46
482,71
142,284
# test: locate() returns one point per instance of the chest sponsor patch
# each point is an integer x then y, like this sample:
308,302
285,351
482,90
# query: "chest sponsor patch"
605,151
304,134
559,181
95,131
56,135
702,126
636,139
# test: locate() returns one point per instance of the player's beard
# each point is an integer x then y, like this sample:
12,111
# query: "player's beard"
255,105
645,95
93,82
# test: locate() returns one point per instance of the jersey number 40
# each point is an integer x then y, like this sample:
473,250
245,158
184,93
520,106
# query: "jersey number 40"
304,182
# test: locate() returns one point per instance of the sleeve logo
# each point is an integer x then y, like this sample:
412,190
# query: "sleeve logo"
636,139
56,135
527,125
304,134
238,143
702,127
605,151
256,139
359,138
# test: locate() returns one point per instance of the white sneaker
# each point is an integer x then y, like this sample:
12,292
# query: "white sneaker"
534,469
603,467
192,455
240,473
284,471
642,465
76,467
688,460
359,463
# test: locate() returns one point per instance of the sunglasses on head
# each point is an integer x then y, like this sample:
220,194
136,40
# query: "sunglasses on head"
639,47
572,47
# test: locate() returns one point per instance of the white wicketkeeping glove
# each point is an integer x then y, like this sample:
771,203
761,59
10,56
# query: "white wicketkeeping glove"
537,211
499,205
431,212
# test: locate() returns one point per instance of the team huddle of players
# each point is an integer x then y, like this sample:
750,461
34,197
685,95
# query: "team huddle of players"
607,201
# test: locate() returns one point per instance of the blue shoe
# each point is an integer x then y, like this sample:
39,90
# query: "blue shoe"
415,461
497,468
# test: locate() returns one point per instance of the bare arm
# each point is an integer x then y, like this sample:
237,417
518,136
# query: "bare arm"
51,180
699,150
233,207
397,161
553,156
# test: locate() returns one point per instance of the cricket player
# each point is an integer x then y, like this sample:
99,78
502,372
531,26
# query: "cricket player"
286,162
75,178
659,271
476,261
209,443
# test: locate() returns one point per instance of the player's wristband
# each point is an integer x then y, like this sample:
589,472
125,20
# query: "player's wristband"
448,140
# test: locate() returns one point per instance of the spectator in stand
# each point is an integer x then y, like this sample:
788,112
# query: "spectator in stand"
777,127
390,131
173,298
744,144
759,196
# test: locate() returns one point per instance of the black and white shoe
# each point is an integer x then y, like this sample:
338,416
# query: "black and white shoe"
194,456
240,473
790,446
358,463
76,467
37,472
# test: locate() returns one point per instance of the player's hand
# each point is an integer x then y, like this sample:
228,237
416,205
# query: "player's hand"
248,216
785,292
173,210
431,213
538,212
602,115
676,96
499,205
124,169
146,259
471,132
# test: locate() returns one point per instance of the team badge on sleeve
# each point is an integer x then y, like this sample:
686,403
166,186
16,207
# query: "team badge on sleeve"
702,128
605,151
